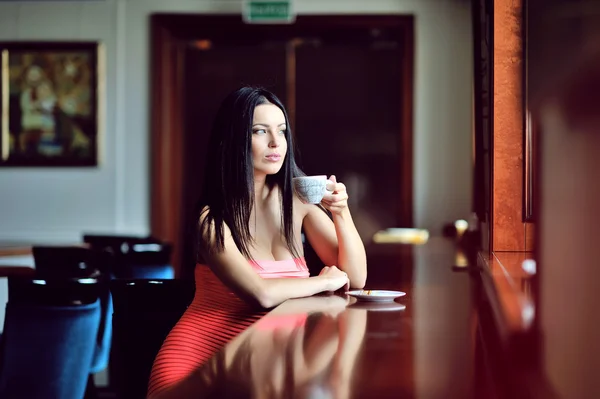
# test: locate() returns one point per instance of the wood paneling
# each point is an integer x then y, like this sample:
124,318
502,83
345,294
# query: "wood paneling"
529,236
167,138
508,232
508,229
510,287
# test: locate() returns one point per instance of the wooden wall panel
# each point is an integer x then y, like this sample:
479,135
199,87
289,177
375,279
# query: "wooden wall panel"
166,137
529,236
509,232
507,195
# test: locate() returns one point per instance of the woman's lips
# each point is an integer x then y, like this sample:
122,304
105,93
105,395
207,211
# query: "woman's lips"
273,157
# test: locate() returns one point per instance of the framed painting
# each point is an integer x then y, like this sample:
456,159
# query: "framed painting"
49,104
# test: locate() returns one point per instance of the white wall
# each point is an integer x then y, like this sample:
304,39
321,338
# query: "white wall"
56,205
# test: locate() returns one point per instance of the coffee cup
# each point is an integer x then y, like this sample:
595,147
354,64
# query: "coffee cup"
311,189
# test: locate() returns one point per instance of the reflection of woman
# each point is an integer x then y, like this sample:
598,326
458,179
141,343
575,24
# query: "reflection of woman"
289,353
250,223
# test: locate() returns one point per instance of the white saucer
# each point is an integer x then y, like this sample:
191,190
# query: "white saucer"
378,306
376,295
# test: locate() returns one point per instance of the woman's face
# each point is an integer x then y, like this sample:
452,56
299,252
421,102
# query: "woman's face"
269,144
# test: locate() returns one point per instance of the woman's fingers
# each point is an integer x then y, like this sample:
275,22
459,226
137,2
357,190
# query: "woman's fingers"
336,197
336,187
339,188
324,270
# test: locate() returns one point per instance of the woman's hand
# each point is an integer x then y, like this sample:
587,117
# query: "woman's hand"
336,201
335,277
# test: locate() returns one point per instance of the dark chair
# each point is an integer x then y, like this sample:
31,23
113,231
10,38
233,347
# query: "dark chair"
50,332
135,257
145,311
76,262
69,261
54,291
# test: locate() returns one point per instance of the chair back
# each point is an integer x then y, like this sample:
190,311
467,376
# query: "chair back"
136,257
67,262
50,332
70,261
145,311
54,292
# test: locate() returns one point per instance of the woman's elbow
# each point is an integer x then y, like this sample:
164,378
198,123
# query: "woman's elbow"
265,299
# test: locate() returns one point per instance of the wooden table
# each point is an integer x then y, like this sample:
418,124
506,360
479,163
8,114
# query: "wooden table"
14,259
14,256
333,346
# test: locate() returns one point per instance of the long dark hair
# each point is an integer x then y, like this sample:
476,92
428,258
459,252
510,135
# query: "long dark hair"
228,191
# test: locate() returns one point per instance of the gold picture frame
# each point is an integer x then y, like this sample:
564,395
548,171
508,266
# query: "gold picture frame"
51,108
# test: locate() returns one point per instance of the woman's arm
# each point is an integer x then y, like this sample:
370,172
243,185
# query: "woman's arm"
337,242
233,270
352,329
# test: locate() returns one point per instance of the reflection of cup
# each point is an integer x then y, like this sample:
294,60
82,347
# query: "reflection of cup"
310,189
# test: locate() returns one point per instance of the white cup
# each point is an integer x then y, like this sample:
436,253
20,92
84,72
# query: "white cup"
311,189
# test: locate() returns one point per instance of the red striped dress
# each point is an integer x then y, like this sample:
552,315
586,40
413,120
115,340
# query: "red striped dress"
215,317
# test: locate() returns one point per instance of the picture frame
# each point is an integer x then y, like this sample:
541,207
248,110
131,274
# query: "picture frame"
50,104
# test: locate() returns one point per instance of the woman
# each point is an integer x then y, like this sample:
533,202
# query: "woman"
249,240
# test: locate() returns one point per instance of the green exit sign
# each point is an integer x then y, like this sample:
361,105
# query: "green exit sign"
266,11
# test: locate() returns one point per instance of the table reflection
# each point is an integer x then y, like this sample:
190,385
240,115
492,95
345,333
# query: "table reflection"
304,348
422,345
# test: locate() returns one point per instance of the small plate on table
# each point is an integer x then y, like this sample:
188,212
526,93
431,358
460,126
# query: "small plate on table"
376,295
388,306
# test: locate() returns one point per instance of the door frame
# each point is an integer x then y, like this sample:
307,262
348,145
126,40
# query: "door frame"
169,34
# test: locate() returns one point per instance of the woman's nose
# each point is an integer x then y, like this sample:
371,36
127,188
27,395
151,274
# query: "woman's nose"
274,142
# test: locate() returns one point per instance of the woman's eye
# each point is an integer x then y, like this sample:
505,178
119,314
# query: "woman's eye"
282,131
260,131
